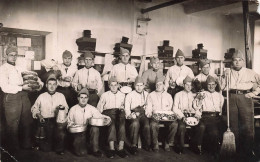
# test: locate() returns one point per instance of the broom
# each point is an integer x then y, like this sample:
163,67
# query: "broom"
228,147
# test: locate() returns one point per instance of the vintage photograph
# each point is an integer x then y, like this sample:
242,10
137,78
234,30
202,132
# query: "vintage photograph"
130,80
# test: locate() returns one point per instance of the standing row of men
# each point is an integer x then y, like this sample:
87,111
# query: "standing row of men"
245,84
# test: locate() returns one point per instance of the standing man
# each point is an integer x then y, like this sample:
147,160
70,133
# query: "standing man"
160,100
135,103
67,73
244,84
124,71
150,75
17,105
176,74
90,78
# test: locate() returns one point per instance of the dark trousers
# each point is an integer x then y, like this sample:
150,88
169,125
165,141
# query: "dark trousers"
54,136
116,130
70,95
196,138
18,115
242,121
211,126
140,123
80,140
168,136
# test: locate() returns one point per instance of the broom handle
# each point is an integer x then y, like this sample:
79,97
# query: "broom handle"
227,80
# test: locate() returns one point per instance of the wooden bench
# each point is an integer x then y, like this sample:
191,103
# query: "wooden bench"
160,143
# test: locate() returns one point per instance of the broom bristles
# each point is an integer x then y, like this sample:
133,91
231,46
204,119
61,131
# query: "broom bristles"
228,147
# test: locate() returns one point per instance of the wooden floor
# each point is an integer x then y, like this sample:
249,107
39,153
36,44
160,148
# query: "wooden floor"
142,156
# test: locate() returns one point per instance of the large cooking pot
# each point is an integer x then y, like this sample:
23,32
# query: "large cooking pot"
104,121
77,128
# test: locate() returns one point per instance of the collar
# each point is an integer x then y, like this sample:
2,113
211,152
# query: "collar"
114,93
124,64
51,94
65,65
87,68
204,74
9,63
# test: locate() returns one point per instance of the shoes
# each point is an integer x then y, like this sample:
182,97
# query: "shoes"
133,150
122,153
147,148
167,147
98,154
196,150
179,150
156,147
111,154
60,152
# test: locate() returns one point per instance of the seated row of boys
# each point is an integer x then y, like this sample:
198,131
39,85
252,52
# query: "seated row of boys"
119,107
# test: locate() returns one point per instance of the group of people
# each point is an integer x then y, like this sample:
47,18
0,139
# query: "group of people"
79,92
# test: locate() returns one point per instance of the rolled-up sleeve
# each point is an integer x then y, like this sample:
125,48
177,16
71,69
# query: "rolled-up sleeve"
36,108
128,105
99,82
75,81
176,109
149,105
101,103
71,117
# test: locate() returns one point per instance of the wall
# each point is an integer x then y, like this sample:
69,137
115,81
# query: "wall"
66,19
256,65
110,20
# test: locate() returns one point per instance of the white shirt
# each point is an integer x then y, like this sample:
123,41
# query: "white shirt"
66,72
122,72
79,116
89,78
11,80
133,100
213,102
47,104
158,101
245,79
183,101
109,100
176,72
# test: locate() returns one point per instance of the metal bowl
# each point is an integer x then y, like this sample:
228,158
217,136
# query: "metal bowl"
100,121
191,121
77,128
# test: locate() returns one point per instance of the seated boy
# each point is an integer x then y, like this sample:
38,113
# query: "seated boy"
45,110
79,115
135,103
112,104
211,107
160,100
183,103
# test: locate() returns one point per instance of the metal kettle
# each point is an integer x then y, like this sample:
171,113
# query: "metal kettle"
62,115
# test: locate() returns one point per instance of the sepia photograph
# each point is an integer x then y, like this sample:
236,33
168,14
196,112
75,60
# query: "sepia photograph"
130,80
